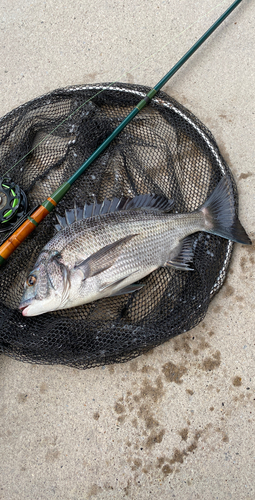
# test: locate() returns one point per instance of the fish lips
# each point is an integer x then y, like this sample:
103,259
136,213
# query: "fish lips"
24,307
33,307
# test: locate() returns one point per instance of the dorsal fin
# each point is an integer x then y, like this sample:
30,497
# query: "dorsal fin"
142,202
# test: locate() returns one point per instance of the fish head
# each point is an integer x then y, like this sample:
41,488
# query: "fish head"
47,286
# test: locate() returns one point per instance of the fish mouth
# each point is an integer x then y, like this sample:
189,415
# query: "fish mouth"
24,306
34,307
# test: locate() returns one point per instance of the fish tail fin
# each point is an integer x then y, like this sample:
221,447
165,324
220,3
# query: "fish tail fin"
220,216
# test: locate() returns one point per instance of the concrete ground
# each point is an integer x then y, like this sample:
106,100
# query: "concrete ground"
179,422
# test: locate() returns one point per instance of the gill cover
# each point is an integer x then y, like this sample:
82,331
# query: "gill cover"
47,286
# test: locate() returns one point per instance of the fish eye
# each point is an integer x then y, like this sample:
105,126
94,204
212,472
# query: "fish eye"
31,280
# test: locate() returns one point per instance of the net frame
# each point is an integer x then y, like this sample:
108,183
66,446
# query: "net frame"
17,344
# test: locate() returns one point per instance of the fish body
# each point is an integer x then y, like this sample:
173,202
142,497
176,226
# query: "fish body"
107,248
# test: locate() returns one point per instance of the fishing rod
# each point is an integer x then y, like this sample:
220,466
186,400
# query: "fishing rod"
10,196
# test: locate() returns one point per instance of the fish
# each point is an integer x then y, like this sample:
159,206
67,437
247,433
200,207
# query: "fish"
105,249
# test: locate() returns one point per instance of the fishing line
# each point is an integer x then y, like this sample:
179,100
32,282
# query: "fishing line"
139,65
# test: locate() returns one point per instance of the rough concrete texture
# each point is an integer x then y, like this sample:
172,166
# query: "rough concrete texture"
179,422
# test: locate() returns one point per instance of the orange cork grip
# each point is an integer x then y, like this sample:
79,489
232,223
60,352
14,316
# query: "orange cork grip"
23,231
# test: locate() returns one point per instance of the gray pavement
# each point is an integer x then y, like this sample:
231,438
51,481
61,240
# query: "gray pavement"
179,422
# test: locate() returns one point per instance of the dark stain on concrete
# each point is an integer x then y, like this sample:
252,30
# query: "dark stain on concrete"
211,408
22,397
211,333
165,463
192,447
239,298
43,388
174,373
119,408
148,391
130,78
130,406
237,381
190,392
160,460
178,456
244,175
226,118
210,364
184,433
243,262
225,438
228,291
181,343
239,398
52,455
127,489
154,438
111,369
146,414
146,369
166,469
135,422
203,344
94,490
134,366
217,309
90,77
136,464
96,415
121,419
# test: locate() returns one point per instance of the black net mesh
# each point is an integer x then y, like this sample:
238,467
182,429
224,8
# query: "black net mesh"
164,150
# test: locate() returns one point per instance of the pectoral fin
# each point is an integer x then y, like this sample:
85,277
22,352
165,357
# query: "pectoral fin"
102,259
110,287
128,289
182,255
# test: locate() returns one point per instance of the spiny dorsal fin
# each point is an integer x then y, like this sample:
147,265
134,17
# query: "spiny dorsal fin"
142,201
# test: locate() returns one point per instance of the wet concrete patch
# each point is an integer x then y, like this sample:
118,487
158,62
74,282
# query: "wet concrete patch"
237,381
213,362
174,373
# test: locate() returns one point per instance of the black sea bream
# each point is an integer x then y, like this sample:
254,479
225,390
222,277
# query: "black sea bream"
105,249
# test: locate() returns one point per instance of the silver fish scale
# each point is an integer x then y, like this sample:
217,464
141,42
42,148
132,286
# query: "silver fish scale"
157,234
